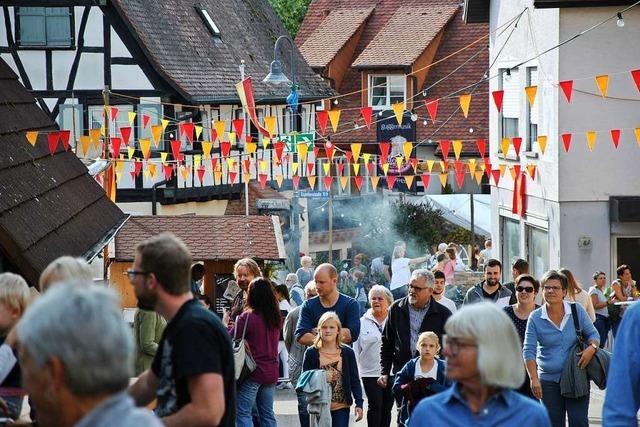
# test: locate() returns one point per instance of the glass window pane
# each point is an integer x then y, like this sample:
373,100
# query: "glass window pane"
538,251
510,244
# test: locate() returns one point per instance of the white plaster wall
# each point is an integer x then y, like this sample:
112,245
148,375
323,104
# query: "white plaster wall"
129,77
34,64
90,71
117,46
585,175
93,31
3,36
62,61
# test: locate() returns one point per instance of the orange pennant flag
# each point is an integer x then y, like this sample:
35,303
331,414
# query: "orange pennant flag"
636,131
478,176
32,137
151,167
443,179
513,172
84,143
217,176
591,139
269,124
531,92
355,150
279,179
343,182
603,84
219,126
457,148
504,145
334,118
156,134
531,169
409,180
407,148
374,181
542,143
503,169
312,181
207,146
465,101
251,147
145,147
398,110
94,135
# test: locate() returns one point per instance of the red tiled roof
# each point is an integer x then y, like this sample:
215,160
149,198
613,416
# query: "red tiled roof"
406,35
209,238
336,29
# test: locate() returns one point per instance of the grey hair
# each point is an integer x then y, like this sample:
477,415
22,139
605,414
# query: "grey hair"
311,285
499,354
291,276
64,269
379,289
83,327
422,273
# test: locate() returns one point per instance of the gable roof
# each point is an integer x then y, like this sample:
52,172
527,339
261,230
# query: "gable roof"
209,238
49,205
204,69
412,27
336,29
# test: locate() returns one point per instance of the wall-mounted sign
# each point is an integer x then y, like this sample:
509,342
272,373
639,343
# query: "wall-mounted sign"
388,127
273,204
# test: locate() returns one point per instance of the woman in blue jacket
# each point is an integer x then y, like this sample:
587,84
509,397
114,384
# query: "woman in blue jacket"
420,377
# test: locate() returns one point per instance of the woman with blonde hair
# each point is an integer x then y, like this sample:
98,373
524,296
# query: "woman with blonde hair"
575,293
305,273
339,361
65,269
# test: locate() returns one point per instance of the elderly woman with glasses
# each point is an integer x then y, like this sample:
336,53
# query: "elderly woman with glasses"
549,340
483,360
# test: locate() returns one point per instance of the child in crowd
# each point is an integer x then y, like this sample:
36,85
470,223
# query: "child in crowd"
14,296
339,361
421,377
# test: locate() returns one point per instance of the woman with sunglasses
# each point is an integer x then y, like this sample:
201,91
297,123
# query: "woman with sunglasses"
526,288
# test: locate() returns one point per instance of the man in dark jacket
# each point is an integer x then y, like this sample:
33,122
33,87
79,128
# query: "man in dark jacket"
490,288
408,318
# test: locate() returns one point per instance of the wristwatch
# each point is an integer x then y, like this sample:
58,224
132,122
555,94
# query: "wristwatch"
595,347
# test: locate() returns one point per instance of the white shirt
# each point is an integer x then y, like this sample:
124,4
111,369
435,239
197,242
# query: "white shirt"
284,306
433,372
367,347
565,319
400,273
448,303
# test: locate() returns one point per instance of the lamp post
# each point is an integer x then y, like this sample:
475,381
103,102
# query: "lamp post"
276,76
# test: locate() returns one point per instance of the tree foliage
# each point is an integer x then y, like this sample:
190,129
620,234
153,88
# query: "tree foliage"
291,12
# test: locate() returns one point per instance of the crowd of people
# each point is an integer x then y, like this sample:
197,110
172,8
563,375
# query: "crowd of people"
519,353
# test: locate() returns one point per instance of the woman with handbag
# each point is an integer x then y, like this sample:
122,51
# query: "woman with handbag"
260,325
549,342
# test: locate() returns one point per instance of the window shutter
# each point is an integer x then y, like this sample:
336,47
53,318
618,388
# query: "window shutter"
32,26
58,26
511,101
533,81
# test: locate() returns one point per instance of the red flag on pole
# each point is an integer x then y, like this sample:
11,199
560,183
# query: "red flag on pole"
519,196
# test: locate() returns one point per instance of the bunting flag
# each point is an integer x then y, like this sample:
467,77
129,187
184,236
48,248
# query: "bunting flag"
636,131
348,155
151,167
615,137
478,176
217,177
495,173
163,157
443,179
245,93
115,146
487,167
635,75
591,139
356,168
603,84
374,182
130,151
114,113
457,148
84,143
94,136
52,141
270,125
340,169
131,116
517,143
430,165
385,168
370,167
531,92
334,118
279,180
303,149
519,206
32,137
65,134
391,181
444,147
343,182
458,166
498,96
398,111
137,168
542,143
327,181
425,177
567,89
515,171
443,166
145,147
231,163
294,167
187,130
432,109
156,134
263,165
322,117
232,137
366,113
504,146
246,163
358,180
502,168
408,179
311,179
384,151
265,142
175,150
145,121
164,123
198,131
566,141
225,148
531,169
207,146
482,147
168,172
329,149
310,168
200,171
355,150
465,101
398,162
326,167
414,164
238,127
262,178
472,166
251,147
125,132
460,179
197,160
279,149
219,127
295,180
407,148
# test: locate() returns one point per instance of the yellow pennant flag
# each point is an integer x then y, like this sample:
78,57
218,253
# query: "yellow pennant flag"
430,165
603,84
356,168
334,118
503,169
84,143
542,143
326,167
504,145
398,110
206,149
483,167
263,166
198,131
443,179
164,124
399,162
465,101
270,125
156,133
130,151
120,166
246,178
103,130
443,166
197,160
294,167
185,171
94,135
385,168
366,157
219,126
279,179
265,142
374,181
217,176
355,151
232,138
409,180
151,167
131,116
472,166
478,176
636,131
118,176
163,157
230,163
591,139
407,148
303,149
312,181
531,168
343,182
251,147
531,92
457,148
147,174
145,147
32,137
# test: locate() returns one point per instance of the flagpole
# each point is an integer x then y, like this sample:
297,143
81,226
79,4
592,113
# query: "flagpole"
246,179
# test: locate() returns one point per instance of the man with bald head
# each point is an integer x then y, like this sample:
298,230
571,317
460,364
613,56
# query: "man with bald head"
328,299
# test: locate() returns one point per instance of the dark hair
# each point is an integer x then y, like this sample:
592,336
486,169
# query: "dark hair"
452,253
284,291
598,273
438,275
493,263
555,275
620,270
440,257
205,298
530,279
262,300
169,259
197,268
521,265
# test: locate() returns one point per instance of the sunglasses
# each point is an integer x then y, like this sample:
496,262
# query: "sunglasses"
526,289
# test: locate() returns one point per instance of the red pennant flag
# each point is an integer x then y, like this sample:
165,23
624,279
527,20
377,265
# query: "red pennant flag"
126,134
636,78
328,148
175,150
64,137
310,168
615,137
133,175
460,179
348,155
232,177
322,117
482,147
359,179
137,167
340,167
496,176
187,129
238,126
566,141
498,96
517,143
168,172
567,88
52,140
214,135
384,151
295,180
247,165
414,163
391,181
425,177
225,148
445,146
517,169
457,165
114,113
145,121
432,108
201,170
370,168
279,148
519,196
248,139
487,167
327,180
214,163
366,113
263,180
116,143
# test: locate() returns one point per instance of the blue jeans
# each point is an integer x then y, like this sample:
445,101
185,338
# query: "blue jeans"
303,415
400,292
250,393
558,407
603,325
340,418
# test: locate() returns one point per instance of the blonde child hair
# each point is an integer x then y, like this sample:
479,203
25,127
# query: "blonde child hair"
14,292
428,336
329,315
64,269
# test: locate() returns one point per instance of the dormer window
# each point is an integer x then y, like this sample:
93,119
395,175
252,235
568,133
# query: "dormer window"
208,21
386,90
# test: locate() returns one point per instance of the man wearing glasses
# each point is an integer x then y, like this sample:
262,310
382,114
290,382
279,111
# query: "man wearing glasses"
421,313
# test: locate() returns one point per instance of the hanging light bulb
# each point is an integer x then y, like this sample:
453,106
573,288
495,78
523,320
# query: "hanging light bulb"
414,117
470,130
355,125
507,76
620,21
424,122
380,114
424,93
335,101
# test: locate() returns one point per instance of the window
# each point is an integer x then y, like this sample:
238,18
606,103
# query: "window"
154,112
70,118
532,111
208,21
511,103
510,245
385,91
537,251
45,27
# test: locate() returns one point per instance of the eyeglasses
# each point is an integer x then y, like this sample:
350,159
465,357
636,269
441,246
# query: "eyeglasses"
552,288
455,344
417,288
131,273
527,289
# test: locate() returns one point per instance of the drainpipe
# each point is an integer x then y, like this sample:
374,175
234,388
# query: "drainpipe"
154,187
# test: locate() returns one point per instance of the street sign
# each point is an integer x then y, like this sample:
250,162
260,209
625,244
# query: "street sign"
292,140
273,204
312,194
